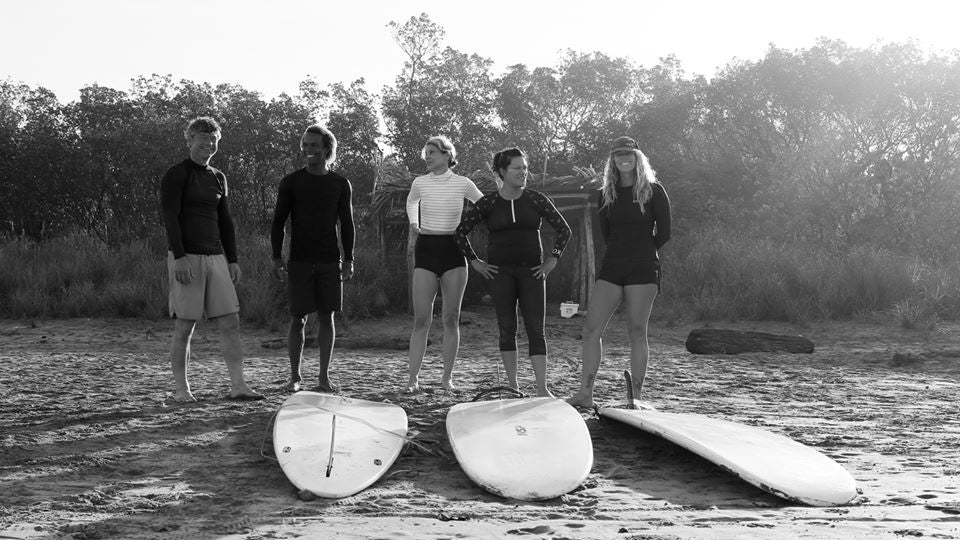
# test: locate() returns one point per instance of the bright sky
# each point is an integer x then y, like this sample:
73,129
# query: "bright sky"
271,45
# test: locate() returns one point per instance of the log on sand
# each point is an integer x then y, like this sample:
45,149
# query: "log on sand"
718,341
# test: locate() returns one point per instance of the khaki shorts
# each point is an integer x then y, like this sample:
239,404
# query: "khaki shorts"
210,292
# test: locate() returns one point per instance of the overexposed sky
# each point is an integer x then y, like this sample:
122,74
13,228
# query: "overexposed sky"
271,45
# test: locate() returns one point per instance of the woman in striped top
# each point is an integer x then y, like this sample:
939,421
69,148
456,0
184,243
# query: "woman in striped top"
434,207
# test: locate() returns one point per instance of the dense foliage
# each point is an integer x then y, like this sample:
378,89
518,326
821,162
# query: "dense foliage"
833,146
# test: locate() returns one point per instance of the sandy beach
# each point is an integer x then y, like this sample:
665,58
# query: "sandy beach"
94,447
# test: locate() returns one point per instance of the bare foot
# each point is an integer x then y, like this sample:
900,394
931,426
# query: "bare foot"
292,386
244,393
581,401
327,386
183,397
414,389
449,386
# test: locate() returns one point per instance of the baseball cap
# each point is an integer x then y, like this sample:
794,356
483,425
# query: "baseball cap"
623,143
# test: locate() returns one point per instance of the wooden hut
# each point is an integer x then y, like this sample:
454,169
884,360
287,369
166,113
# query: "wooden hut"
574,196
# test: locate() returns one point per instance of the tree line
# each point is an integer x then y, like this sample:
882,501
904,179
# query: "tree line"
832,144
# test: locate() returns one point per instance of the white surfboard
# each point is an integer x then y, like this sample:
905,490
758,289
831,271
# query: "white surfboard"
336,446
529,449
772,462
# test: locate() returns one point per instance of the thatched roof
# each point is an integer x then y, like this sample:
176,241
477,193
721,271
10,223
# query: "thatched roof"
393,183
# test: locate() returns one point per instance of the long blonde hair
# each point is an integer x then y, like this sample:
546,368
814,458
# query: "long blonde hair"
642,188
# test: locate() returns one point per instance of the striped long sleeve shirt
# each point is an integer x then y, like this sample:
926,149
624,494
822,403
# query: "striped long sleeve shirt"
435,202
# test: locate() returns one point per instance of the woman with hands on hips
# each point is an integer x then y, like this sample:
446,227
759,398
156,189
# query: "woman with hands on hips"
515,263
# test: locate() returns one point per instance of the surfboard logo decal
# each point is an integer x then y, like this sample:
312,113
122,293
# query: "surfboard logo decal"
521,431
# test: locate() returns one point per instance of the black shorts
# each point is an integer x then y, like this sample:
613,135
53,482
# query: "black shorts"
314,287
626,272
437,253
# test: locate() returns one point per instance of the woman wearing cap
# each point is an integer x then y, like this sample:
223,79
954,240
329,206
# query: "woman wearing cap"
515,262
634,223
434,207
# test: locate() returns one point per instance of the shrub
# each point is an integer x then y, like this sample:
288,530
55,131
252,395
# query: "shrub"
708,275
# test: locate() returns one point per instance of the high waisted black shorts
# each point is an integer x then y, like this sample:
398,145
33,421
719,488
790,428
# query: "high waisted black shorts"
626,272
437,253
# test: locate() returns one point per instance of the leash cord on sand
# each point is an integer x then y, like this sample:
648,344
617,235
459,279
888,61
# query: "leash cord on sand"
406,438
266,432
499,390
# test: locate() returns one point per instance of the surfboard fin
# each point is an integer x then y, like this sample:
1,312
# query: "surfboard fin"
333,435
631,404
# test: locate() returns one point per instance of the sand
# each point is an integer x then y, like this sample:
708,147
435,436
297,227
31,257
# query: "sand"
94,447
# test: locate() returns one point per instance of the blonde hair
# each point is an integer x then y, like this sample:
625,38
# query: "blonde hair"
642,188
442,144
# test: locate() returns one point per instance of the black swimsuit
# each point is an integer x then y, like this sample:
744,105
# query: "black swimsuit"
514,247
633,236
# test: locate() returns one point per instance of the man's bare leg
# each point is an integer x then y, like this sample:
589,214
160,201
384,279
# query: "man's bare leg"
180,358
326,335
229,326
295,341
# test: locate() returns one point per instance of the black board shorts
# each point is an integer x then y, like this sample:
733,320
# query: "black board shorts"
314,287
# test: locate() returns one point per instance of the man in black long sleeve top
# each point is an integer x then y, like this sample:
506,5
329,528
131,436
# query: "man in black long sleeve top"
202,258
315,199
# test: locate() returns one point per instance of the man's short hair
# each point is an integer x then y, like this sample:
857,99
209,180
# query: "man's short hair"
329,140
202,124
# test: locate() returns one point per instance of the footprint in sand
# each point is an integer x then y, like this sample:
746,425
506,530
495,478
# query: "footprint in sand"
539,529
952,508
